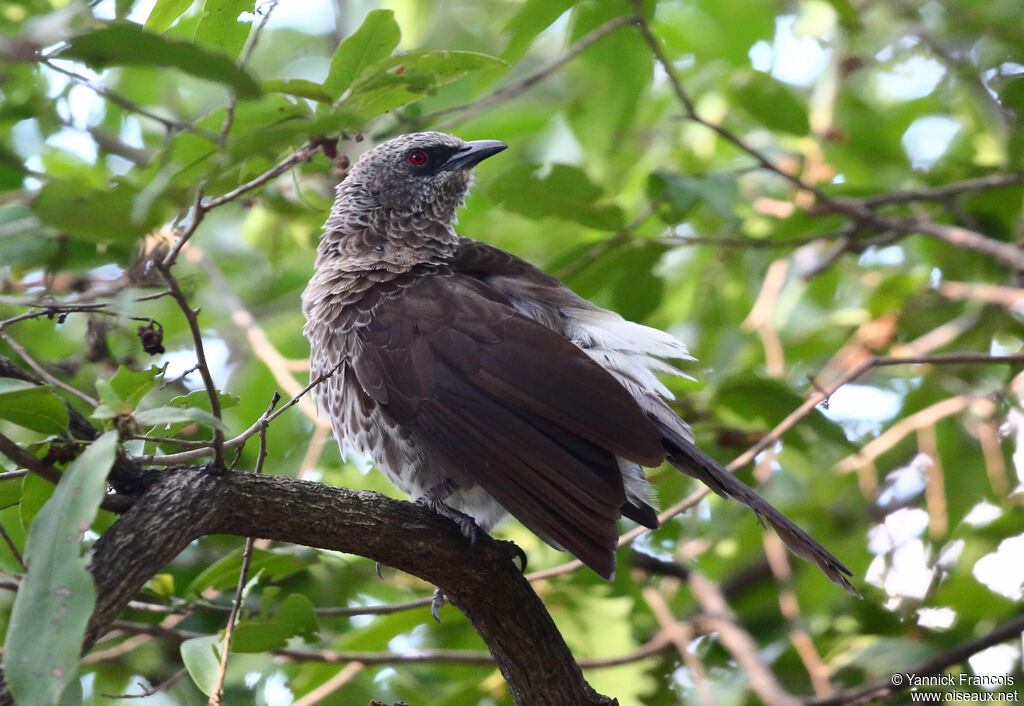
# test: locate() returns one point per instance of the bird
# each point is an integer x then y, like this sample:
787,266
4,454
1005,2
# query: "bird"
480,385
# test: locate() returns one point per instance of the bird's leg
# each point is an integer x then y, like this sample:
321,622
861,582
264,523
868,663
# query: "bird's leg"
437,602
434,499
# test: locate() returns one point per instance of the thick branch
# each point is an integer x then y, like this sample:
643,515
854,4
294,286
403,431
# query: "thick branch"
483,582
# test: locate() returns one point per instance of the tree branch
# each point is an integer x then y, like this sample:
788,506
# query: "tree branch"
187,503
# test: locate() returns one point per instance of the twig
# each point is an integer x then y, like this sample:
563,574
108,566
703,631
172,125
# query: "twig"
105,92
680,634
343,677
26,460
50,311
41,372
941,193
14,549
857,210
471,110
229,116
242,575
907,425
203,367
149,691
718,616
467,657
258,340
261,423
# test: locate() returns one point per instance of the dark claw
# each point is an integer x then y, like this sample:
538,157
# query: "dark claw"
516,552
436,602
379,574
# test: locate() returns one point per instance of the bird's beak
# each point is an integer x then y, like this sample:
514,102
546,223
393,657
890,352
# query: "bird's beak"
473,153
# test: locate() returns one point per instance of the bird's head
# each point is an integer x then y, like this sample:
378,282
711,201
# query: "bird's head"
424,173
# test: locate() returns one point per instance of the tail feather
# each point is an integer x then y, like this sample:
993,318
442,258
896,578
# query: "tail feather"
687,458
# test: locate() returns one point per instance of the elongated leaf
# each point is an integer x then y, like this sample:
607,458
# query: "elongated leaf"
32,406
532,18
294,617
297,87
773,104
201,659
122,393
98,215
565,192
170,415
164,13
127,44
403,78
57,596
220,28
375,39
224,573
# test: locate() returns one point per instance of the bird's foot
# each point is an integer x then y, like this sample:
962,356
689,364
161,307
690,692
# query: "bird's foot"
467,525
437,602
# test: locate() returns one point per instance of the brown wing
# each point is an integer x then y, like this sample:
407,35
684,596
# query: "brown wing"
498,400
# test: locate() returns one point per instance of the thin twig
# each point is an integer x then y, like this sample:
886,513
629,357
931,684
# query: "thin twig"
942,193
719,616
14,549
131,106
261,423
202,365
467,657
343,677
149,691
26,460
41,372
858,211
242,575
506,93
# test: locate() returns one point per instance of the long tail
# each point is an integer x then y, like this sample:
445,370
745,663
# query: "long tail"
686,457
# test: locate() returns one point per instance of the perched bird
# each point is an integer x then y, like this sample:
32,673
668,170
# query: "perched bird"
482,386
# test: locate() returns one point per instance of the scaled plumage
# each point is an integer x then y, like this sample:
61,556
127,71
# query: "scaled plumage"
486,386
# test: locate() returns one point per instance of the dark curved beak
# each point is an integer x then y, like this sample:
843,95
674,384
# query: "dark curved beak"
473,153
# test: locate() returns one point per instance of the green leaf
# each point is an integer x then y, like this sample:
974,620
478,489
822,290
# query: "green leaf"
403,78
170,415
224,574
772,104
99,215
56,597
219,27
716,191
297,87
123,392
126,44
202,660
35,492
375,39
566,192
23,239
164,13
10,491
532,18
295,617
34,407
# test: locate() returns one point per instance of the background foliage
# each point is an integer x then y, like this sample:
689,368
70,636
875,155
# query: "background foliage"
793,188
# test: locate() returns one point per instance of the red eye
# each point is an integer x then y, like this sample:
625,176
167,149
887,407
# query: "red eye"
418,157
